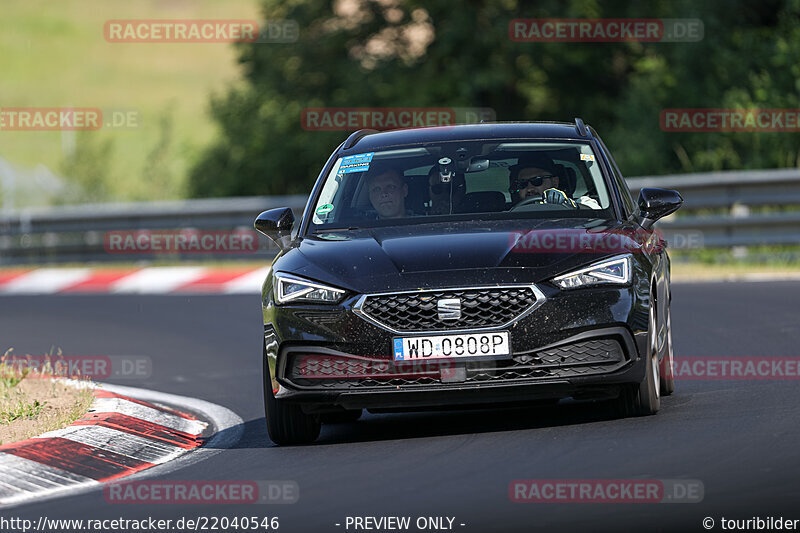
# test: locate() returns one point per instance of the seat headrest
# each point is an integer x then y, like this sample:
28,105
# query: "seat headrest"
567,179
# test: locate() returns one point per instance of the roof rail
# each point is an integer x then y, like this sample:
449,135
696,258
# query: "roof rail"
581,127
356,136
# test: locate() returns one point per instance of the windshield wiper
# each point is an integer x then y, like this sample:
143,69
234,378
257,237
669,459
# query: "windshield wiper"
594,222
326,230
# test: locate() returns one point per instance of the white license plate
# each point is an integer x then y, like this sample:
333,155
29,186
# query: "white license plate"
467,345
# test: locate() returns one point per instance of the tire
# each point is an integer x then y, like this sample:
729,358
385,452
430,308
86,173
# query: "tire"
645,398
341,417
627,403
287,424
668,361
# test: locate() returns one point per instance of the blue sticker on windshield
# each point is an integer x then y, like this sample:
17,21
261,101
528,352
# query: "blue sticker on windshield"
355,163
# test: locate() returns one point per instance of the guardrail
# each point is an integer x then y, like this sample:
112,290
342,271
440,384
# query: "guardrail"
717,213
78,233
718,207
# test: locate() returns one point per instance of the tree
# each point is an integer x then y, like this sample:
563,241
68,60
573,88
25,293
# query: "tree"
368,53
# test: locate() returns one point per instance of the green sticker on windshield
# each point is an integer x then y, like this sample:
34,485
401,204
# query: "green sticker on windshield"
324,208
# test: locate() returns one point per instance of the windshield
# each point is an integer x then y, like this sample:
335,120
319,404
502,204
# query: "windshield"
463,181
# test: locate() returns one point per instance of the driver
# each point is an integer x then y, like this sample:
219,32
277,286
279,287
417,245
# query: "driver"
536,177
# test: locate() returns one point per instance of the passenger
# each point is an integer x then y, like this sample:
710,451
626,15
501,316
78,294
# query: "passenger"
387,193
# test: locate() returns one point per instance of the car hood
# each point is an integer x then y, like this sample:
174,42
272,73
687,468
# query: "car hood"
452,254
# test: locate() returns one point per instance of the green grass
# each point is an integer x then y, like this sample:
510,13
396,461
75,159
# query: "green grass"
54,54
704,271
756,256
21,410
8,381
11,408
30,407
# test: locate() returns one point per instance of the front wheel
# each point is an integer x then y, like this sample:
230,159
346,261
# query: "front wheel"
645,398
287,424
668,361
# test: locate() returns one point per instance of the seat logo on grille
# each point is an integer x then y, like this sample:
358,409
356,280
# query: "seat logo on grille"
449,308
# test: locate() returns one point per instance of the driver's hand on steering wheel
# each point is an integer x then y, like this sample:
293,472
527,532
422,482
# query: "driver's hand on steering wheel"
555,196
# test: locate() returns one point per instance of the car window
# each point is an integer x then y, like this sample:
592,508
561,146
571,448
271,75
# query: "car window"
462,180
495,178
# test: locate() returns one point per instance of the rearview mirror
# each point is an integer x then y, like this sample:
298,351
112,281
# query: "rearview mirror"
657,203
478,164
276,224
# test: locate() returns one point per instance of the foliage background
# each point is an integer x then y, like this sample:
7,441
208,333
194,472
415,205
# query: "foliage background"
222,120
362,53
54,54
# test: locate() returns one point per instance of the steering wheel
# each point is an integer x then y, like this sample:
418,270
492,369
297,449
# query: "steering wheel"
538,201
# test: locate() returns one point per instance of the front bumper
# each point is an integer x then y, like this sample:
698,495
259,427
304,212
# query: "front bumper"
581,344
589,365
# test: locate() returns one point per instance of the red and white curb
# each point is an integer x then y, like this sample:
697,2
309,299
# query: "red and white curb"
150,280
119,437
205,280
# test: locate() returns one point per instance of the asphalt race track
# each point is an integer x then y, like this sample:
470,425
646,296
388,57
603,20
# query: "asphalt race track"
740,438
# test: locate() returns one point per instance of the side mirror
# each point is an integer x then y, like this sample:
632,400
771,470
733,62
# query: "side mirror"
657,203
276,224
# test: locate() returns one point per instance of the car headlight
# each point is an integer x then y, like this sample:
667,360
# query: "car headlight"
615,271
292,289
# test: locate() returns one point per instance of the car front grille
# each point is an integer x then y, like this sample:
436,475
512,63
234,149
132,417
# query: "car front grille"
484,307
346,372
572,360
